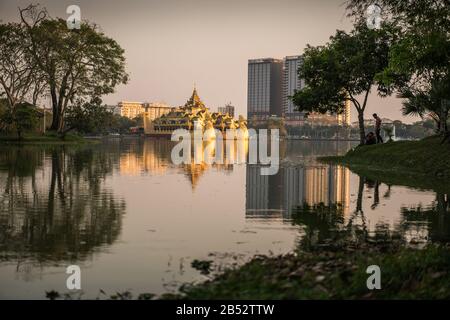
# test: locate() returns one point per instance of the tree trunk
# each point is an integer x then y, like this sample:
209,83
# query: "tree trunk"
61,124
444,121
55,111
362,133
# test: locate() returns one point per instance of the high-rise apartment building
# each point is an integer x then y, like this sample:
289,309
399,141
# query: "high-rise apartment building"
271,83
345,117
291,83
264,95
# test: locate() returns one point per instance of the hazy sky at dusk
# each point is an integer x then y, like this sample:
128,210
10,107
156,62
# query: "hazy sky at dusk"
171,44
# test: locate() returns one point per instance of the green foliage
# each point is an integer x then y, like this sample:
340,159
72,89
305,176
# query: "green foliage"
52,295
432,103
419,63
76,63
25,118
416,130
92,117
424,60
139,121
89,117
122,124
6,119
204,266
343,69
19,77
427,157
407,274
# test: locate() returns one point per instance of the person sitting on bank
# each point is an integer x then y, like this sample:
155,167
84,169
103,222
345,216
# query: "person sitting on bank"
370,138
378,128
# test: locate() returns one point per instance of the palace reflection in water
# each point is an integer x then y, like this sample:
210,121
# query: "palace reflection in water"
133,220
153,156
303,182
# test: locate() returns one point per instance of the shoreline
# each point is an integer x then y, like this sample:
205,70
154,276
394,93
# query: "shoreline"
428,158
333,273
47,140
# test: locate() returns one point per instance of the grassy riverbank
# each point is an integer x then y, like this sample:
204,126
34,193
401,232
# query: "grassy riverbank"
340,272
405,274
426,158
324,274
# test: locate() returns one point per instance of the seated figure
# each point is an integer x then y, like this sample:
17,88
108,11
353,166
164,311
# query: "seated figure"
371,138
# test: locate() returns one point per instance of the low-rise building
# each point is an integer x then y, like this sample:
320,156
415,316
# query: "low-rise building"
130,109
155,110
227,109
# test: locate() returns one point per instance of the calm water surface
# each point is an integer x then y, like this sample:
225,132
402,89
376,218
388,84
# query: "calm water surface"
132,220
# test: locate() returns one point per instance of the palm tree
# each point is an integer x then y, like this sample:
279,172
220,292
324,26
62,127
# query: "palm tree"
430,104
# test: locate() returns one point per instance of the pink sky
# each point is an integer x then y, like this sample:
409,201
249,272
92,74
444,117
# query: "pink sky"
172,44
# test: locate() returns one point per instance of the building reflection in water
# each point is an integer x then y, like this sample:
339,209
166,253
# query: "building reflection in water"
57,204
148,156
153,156
300,179
266,195
302,186
294,186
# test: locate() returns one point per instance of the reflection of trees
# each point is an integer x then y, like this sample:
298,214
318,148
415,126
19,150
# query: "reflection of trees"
323,224
430,223
375,185
326,225
55,205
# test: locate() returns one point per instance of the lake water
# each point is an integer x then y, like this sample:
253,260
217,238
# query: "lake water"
132,220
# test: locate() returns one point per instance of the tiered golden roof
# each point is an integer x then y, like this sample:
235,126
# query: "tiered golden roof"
194,110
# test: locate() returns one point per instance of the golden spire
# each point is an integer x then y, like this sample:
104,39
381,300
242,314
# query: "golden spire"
195,100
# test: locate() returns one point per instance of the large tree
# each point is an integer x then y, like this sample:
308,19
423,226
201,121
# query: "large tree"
20,79
345,69
76,62
419,63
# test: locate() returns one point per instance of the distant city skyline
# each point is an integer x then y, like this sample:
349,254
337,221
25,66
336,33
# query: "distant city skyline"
170,45
271,82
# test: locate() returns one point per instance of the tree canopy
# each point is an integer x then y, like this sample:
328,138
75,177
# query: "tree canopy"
419,63
343,69
88,117
76,62
20,79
